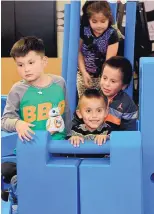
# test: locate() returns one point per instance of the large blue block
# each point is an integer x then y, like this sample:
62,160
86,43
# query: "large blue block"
147,130
73,53
8,143
45,184
130,37
66,41
113,185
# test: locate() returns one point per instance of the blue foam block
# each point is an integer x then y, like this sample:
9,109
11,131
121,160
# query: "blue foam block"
8,142
89,147
46,185
113,185
147,130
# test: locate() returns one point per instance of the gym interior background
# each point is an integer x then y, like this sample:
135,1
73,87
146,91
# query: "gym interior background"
17,22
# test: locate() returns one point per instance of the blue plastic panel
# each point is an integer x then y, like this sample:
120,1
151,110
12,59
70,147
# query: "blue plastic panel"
46,185
66,40
147,130
114,185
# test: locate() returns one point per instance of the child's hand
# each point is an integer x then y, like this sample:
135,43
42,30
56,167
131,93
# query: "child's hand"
75,140
100,139
87,80
23,129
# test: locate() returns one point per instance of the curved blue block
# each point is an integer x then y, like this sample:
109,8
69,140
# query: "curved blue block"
89,147
66,41
73,54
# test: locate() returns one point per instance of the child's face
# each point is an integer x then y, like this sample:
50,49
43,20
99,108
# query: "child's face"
111,81
92,111
99,23
31,66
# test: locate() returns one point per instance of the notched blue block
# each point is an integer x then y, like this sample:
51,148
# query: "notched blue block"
114,185
49,185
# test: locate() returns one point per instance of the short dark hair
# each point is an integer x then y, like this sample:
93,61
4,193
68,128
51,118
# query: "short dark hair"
94,93
26,44
124,65
91,7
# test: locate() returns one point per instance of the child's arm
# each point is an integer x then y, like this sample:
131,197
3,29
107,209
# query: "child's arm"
112,50
86,76
11,112
129,117
10,120
128,125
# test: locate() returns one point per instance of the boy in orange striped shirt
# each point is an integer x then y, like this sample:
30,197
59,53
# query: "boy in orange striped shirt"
116,77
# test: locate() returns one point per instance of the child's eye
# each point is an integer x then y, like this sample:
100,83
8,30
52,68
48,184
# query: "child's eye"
99,110
113,81
104,78
31,63
19,65
88,110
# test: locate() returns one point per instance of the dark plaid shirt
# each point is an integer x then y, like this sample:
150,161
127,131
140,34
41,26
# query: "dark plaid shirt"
81,130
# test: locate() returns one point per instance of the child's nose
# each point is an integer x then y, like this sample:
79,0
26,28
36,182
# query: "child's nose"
99,25
107,82
94,114
26,68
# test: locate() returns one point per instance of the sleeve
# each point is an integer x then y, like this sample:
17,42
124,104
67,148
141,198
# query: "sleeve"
11,111
76,131
128,125
129,118
109,130
76,121
113,38
106,130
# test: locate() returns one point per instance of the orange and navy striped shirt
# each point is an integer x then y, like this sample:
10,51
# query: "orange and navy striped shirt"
123,112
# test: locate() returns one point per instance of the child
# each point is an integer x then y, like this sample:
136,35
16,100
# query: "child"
92,109
99,41
116,77
31,100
